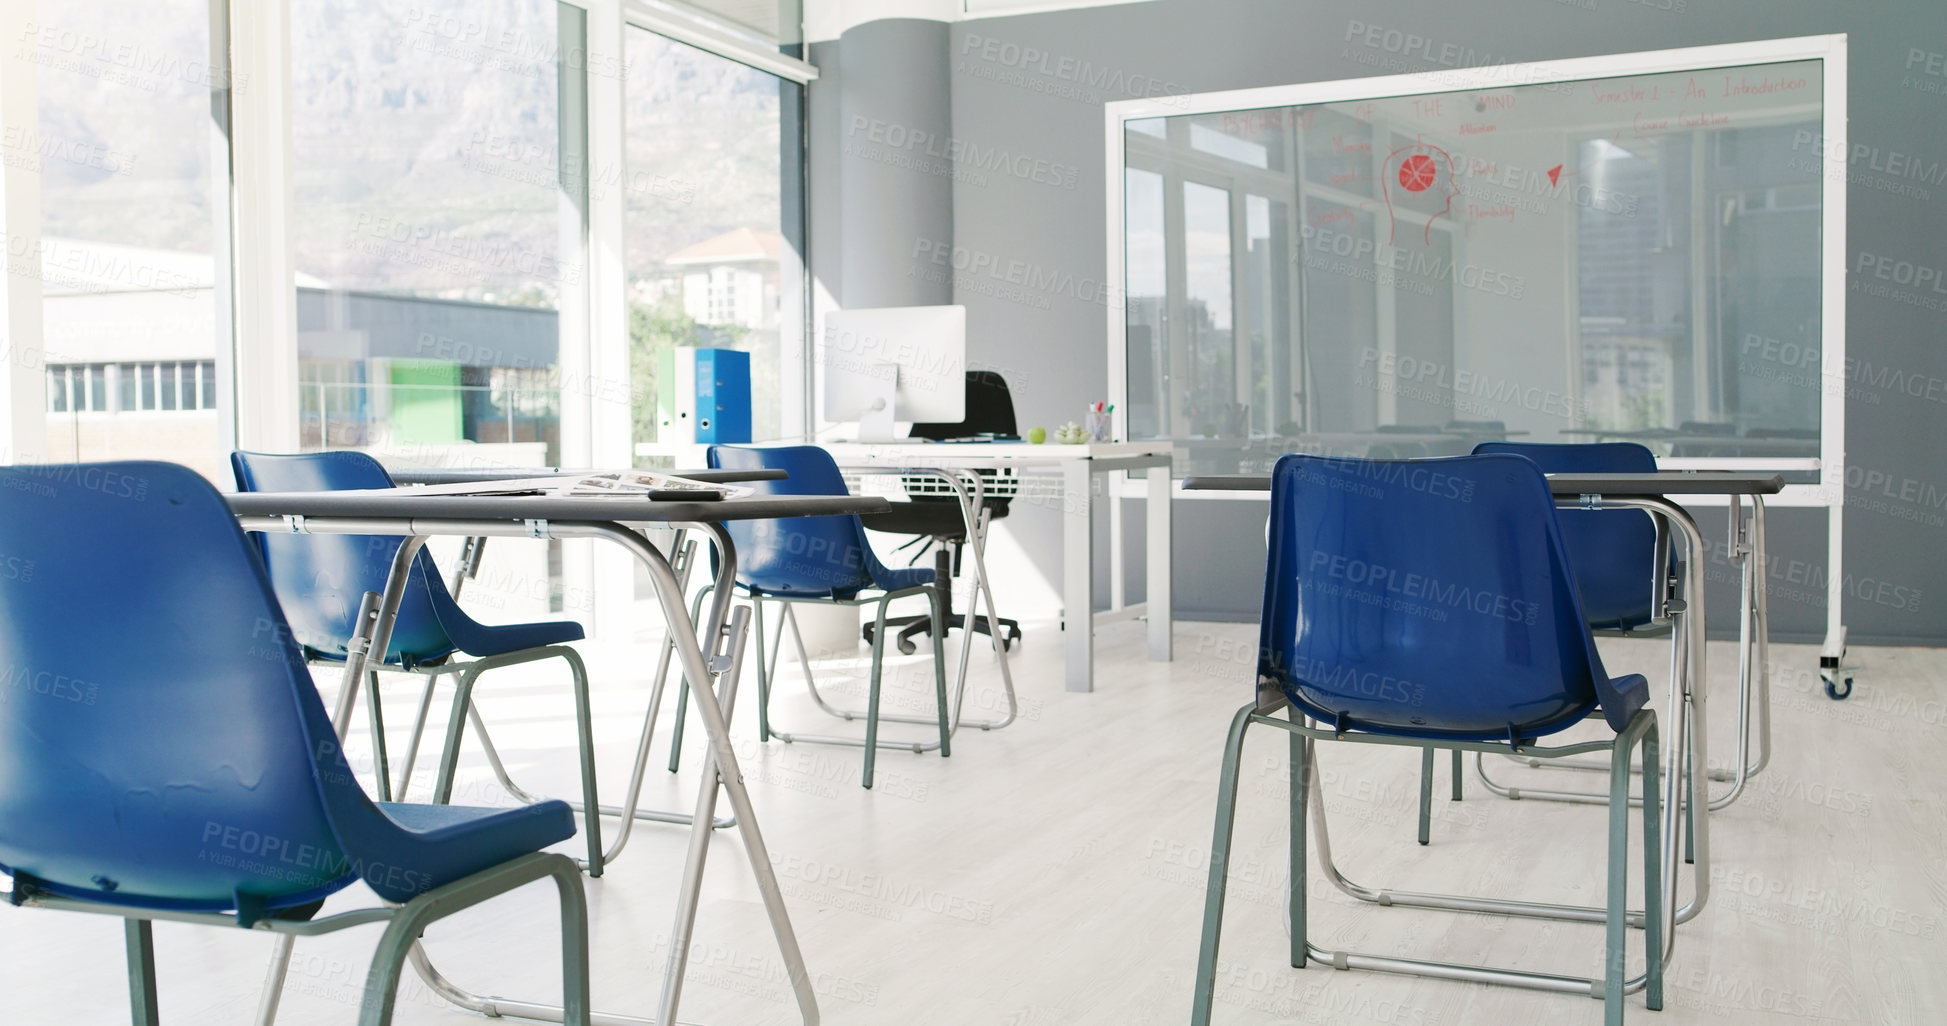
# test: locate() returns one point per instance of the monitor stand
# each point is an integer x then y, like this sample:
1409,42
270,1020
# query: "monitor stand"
875,423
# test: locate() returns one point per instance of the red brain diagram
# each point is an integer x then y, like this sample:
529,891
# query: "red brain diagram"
1417,172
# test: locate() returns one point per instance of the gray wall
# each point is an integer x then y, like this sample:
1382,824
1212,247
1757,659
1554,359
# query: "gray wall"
1027,96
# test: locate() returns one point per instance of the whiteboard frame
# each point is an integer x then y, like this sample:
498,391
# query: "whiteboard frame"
1829,493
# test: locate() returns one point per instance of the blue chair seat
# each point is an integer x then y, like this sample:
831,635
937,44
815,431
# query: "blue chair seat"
487,639
902,578
457,841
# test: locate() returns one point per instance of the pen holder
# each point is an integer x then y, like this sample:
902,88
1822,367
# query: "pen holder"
1099,423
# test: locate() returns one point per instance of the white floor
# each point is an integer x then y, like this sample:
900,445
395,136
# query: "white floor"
1052,873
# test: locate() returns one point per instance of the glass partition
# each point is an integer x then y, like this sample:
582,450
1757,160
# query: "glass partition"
1633,257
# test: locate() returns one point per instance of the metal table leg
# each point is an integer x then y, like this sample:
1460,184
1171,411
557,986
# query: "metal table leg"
1156,510
1753,658
1078,575
375,617
629,811
1687,743
723,661
973,512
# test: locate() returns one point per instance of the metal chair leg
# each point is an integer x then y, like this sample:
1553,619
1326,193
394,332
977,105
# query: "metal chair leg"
401,937
138,937
418,732
1653,896
1456,774
763,674
382,782
1300,800
683,686
273,992
1426,793
1213,895
937,598
585,729
1689,819
585,744
449,759
1616,925
872,701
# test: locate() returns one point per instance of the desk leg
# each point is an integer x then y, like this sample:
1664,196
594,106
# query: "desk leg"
1696,693
1078,573
704,667
373,633
721,769
1761,616
1157,601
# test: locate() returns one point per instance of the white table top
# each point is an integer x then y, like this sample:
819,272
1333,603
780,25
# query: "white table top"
923,453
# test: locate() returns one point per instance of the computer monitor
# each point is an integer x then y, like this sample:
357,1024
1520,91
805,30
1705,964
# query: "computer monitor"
902,363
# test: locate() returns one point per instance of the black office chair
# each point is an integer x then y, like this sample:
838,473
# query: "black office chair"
1695,439
1479,430
932,513
1400,450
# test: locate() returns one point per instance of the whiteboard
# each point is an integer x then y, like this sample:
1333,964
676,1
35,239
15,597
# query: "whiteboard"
1644,246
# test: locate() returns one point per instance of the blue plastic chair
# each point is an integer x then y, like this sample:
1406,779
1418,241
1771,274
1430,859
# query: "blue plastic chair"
1619,560
167,756
1430,602
820,559
1614,552
321,578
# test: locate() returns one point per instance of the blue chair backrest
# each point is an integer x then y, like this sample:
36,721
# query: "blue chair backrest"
321,578
159,734
1612,551
1427,598
807,557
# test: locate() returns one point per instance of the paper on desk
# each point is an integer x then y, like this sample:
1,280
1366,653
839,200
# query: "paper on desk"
616,482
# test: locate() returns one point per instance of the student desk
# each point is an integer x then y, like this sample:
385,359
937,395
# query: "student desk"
1076,466
615,518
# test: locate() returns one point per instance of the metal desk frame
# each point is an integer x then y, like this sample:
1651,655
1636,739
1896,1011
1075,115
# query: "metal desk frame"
1077,466
615,519
682,558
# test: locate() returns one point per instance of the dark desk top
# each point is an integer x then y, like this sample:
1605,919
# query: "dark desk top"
1668,482
403,504
450,475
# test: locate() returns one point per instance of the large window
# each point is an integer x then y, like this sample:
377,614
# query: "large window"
440,205
129,259
1630,256
714,233
443,201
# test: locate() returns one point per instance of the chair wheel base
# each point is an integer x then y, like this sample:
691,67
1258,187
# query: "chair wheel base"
1837,689
911,627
